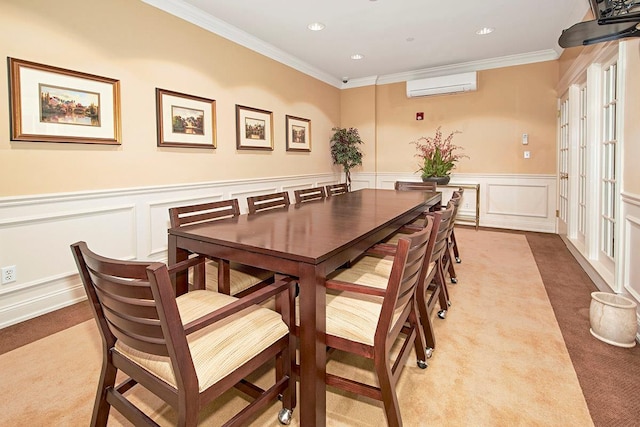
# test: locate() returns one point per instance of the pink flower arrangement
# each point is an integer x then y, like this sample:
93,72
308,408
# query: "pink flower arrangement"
438,156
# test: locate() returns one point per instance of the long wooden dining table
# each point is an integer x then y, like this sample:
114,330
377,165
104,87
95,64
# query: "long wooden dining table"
307,241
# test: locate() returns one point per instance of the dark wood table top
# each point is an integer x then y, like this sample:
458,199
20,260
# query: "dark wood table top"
312,232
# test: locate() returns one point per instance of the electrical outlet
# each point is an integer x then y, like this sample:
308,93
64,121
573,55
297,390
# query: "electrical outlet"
527,154
466,205
9,274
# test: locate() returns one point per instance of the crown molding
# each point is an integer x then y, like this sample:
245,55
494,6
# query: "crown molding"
465,67
210,23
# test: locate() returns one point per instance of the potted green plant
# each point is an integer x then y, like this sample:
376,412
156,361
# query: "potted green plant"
345,150
438,156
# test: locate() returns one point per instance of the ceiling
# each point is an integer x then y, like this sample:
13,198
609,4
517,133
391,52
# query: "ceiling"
399,39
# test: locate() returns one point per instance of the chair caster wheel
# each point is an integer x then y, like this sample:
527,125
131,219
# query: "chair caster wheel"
454,280
442,314
284,416
458,260
280,397
422,364
429,352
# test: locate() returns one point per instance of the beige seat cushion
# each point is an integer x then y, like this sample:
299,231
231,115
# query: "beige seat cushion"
361,271
241,277
351,315
218,349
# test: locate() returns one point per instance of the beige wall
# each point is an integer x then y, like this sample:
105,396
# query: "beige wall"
631,177
509,102
146,48
358,110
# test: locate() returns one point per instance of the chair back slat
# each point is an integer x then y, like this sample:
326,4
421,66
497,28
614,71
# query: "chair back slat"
415,186
123,301
441,243
267,202
414,264
403,280
193,214
455,200
336,189
309,194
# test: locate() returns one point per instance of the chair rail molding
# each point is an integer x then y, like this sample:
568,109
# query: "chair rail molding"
36,231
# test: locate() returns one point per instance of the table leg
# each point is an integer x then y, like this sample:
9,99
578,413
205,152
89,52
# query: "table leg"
313,352
175,255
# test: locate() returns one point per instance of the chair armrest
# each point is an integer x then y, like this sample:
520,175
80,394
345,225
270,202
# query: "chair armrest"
339,285
187,263
281,285
382,250
410,228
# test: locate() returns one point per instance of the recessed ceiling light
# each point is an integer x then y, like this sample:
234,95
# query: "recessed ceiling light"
484,31
316,26
357,56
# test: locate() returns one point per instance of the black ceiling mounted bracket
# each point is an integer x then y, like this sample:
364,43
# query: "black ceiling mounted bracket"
590,32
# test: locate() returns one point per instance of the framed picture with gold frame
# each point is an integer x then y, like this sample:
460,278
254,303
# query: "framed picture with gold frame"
51,104
254,129
185,120
298,134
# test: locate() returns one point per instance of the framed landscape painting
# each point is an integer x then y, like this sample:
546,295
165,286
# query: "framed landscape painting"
185,120
298,134
254,129
51,104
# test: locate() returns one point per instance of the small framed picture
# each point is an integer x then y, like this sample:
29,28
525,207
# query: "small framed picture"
185,120
254,129
51,104
298,134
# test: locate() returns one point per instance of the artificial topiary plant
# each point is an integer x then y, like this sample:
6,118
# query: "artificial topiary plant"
345,150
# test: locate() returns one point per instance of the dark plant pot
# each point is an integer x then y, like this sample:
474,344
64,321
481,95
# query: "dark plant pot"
439,180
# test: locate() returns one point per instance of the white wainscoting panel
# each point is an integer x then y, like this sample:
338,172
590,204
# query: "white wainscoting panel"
517,202
631,254
631,251
36,231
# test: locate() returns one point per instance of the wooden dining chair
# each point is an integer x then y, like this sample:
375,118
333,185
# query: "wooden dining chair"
367,318
186,350
309,194
453,241
336,189
415,186
229,278
449,254
267,202
378,259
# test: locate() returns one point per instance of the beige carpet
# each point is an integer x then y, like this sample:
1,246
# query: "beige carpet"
500,361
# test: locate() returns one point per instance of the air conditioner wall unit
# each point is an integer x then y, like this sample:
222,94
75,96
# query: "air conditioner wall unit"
455,83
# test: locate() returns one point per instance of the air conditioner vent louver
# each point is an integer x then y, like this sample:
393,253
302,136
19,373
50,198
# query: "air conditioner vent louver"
454,83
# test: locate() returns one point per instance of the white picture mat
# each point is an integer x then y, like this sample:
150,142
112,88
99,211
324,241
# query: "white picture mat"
255,143
169,101
30,80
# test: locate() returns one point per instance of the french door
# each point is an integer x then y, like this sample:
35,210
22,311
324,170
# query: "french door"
563,166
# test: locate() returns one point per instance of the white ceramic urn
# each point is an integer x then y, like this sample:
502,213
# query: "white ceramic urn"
613,319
